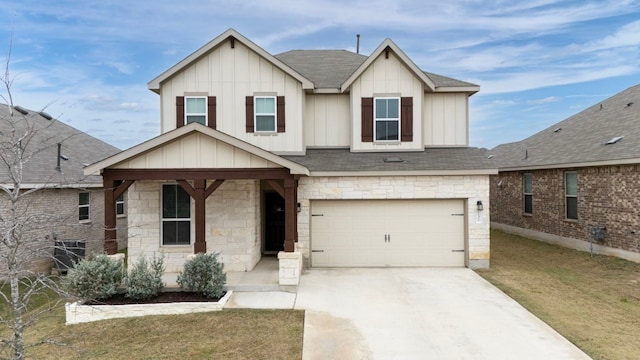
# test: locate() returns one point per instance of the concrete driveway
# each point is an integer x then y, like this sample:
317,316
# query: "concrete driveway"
419,313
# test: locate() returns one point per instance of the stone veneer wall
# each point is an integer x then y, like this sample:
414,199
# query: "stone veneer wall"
473,188
607,196
232,225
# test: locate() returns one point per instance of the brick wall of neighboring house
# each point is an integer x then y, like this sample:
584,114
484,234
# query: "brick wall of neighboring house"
55,211
608,196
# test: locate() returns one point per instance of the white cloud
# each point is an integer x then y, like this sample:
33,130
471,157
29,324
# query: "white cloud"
549,99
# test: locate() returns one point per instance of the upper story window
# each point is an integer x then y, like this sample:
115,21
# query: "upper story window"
265,114
571,195
83,206
176,215
200,109
195,109
387,119
528,193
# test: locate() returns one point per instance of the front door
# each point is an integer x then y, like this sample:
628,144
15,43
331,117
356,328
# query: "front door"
274,222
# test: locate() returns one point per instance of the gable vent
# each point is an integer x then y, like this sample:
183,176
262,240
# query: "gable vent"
614,140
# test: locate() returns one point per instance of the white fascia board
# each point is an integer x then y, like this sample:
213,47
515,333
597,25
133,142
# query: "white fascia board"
154,85
574,165
403,57
96,168
405,173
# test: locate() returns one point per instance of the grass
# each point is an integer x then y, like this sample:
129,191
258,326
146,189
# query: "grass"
227,334
593,302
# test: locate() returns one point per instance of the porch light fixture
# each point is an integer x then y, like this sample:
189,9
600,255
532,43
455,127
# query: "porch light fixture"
479,204
299,207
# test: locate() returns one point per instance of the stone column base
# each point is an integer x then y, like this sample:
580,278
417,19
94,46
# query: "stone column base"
290,267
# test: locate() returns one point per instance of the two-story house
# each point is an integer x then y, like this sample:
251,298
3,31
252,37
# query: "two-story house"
325,157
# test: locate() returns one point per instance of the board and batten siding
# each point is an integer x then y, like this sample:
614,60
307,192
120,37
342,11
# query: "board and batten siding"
446,119
196,151
327,122
231,74
386,77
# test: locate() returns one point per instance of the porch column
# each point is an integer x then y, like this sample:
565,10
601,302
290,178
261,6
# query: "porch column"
110,235
290,214
200,245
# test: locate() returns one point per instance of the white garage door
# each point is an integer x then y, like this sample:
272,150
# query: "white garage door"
355,233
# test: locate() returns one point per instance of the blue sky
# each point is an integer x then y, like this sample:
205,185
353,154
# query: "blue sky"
537,62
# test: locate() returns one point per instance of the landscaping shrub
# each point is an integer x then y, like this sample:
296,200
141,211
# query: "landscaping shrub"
203,274
94,278
144,281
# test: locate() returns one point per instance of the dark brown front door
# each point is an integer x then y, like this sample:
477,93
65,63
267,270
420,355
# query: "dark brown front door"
274,222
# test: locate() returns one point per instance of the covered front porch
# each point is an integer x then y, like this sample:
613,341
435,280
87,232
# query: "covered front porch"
196,190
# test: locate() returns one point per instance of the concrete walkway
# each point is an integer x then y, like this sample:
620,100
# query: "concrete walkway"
411,313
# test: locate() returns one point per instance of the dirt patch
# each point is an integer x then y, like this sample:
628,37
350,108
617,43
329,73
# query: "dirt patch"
163,298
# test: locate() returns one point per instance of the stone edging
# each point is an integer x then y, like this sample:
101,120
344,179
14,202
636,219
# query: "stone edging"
77,313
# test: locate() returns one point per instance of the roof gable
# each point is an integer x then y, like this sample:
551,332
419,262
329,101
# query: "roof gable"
154,153
155,84
388,45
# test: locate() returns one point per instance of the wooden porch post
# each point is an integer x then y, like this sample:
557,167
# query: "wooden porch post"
110,235
200,246
290,214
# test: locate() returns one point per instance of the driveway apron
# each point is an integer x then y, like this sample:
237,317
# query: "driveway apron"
419,313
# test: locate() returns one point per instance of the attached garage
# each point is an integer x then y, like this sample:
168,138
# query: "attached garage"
359,233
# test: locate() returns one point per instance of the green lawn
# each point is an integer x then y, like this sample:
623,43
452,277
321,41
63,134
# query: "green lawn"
593,302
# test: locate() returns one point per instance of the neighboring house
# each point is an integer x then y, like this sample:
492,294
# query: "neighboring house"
323,156
63,203
577,179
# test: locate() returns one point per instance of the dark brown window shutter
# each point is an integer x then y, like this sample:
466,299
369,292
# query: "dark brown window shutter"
406,118
249,104
280,114
367,119
211,111
179,111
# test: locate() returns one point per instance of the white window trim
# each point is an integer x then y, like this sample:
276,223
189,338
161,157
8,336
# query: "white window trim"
124,210
206,109
162,220
88,206
256,114
566,196
375,119
525,193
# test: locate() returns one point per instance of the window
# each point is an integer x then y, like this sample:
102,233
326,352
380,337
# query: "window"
176,215
571,195
83,206
120,205
265,113
528,193
195,110
387,119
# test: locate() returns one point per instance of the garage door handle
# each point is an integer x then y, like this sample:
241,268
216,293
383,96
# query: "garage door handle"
457,214
457,250
317,250
317,214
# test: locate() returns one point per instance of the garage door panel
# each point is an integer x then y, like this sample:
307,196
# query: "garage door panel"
387,233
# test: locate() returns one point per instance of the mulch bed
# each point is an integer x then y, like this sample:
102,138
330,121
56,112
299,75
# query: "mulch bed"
164,297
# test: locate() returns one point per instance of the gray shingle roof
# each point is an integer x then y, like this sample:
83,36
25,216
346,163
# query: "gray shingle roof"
582,137
431,159
78,148
329,69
